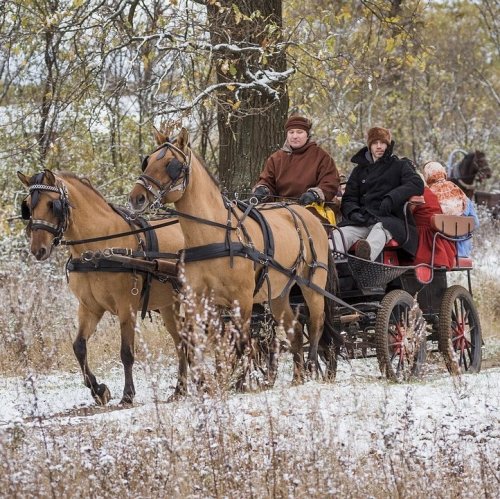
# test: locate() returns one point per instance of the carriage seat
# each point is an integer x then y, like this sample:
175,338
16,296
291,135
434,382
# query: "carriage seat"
454,227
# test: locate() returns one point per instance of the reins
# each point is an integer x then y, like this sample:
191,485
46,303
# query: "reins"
179,178
73,242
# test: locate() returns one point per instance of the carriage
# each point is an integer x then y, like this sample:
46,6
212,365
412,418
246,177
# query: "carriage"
375,311
398,312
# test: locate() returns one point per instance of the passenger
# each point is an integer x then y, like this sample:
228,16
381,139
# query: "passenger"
444,250
464,246
373,201
300,169
452,199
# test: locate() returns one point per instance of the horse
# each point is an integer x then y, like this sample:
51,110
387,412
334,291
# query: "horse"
63,203
473,168
232,248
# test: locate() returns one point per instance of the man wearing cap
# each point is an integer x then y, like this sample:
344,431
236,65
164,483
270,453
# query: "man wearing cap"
373,201
300,169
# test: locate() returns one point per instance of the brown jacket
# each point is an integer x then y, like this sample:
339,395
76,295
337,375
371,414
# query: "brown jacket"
291,172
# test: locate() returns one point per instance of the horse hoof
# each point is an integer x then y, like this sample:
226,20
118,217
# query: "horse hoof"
103,395
127,400
175,397
311,367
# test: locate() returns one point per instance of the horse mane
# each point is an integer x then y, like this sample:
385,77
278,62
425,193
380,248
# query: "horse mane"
214,179
82,180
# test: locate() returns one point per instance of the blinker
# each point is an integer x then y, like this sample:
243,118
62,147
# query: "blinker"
144,163
25,211
57,208
174,169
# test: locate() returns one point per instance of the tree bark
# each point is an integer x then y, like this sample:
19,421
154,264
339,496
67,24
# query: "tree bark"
250,123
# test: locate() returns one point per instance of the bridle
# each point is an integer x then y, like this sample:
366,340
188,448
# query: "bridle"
60,208
177,171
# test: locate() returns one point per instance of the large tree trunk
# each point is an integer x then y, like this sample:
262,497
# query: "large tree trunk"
250,124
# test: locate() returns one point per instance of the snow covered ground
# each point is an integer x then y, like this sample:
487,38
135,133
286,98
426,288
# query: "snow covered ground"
360,418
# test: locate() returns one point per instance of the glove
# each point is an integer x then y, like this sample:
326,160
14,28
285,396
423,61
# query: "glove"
385,206
308,197
261,193
357,217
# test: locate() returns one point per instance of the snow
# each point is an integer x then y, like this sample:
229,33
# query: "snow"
360,408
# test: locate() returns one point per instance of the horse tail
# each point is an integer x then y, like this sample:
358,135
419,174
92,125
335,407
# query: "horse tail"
331,336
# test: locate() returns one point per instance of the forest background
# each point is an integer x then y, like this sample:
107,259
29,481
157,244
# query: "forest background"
82,83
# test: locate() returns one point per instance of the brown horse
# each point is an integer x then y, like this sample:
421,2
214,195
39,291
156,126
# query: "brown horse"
472,169
227,252
66,204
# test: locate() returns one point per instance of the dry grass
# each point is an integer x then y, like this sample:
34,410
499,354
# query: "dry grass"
208,450
202,448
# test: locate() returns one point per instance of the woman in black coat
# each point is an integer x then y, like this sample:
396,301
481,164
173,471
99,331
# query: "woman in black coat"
373,201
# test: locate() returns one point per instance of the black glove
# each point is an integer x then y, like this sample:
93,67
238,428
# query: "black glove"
261,192
385,206
357,217
308,197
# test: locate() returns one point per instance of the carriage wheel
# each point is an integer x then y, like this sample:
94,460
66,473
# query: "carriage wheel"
400,336
459,331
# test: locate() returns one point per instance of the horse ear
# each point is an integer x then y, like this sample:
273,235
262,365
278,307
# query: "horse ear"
23,178
50,177
183,139
160,137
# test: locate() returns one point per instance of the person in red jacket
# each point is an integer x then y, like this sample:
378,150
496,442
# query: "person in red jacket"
300,169
444,250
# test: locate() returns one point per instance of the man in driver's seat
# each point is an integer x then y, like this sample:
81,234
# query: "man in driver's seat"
373,201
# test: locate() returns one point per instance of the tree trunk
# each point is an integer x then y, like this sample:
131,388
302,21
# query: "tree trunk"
250,123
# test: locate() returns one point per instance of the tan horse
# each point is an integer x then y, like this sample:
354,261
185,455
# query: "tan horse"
173,174
65,203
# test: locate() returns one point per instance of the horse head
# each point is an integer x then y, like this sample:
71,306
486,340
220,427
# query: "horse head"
165,173
473,168
46,208
481,166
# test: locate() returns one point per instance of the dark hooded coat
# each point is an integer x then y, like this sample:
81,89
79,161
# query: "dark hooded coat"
370,182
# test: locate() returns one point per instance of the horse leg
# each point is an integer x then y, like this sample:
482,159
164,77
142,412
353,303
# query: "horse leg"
127,355
241,342
169,319
282,311
315,305
87,323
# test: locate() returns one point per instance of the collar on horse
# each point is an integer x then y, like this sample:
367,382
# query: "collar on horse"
178,172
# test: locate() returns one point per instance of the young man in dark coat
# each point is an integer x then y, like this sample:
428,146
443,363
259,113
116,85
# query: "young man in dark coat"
372,204
300,169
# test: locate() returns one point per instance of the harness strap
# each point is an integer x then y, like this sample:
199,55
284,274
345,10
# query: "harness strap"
267,234
218,250
110,265
174,212
152,244
110,252
120,234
